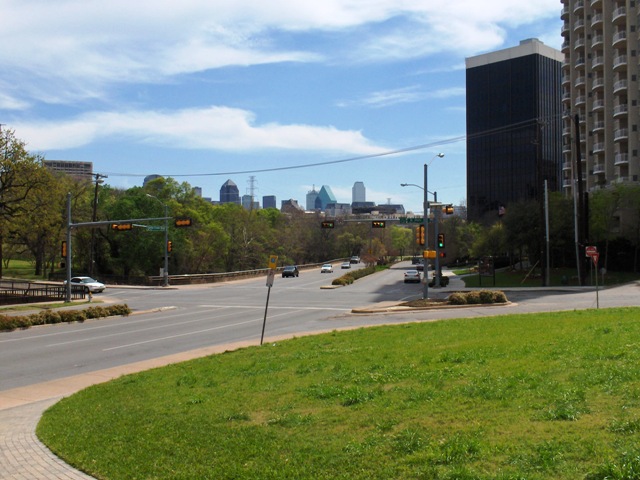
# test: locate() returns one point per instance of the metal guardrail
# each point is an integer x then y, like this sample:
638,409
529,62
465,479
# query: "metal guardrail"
19,291
200,278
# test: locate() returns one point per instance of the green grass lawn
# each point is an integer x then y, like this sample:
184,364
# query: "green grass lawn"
542,396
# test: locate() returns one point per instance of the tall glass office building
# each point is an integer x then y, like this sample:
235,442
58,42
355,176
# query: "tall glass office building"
514,126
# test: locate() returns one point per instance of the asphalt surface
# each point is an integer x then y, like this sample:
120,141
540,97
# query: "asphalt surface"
24,457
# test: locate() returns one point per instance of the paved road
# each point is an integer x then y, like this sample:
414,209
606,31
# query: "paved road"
41,365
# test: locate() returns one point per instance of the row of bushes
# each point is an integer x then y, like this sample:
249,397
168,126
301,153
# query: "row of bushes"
477,297
351,277
13,322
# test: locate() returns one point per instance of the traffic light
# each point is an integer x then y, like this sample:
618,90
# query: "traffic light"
169,246
448,209
420,235
182,222
441,240
121,226
443,254
377,224
327,225
63,249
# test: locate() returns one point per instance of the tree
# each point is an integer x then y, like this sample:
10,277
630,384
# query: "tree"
401,239
20,177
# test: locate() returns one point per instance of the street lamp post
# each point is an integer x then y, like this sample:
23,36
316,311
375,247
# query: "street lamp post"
165,270
425,261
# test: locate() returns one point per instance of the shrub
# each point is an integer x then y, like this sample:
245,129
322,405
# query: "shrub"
70,316
486,296
473,297
47,317
122,310
458,298
499,297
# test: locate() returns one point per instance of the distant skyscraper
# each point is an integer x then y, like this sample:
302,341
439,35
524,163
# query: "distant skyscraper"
325,197
358,193
269,201
248,203
514,126
312,197
70,167
229,193
197,191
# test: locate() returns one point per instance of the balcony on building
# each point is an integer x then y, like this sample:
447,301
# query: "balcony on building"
598,82
597,62
566,148
565,46
578,25
580,61
619,61
566,183
596,3
622,179
581,100
620,134
619,15
621,159
598,147
598,104
596,19
597,40
565,30
566,79
619,37
580,81
620,110
566,166
598,126
579,43
620,85
598,168
578,7
566,131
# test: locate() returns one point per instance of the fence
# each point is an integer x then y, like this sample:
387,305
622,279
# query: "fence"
17,291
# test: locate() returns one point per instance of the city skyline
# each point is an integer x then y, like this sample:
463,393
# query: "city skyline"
218,90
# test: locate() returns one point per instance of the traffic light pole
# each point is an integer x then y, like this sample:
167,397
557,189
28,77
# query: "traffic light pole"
425,260
436,219
165,272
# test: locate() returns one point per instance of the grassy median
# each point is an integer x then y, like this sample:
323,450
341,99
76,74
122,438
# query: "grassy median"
542,396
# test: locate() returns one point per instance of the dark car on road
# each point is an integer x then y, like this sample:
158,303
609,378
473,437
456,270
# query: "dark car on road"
290,271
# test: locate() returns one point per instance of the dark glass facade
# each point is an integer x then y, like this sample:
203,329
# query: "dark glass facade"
514,136
229,193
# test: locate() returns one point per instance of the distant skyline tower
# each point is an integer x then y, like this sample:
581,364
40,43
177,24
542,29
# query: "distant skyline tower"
229,193
269,201
312,196
358,193
325,197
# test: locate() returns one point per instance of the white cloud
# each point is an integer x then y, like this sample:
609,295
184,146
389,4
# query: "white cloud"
409,94
72,44
215,128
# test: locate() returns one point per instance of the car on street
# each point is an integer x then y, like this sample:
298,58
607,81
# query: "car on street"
412,276
355,259
326,268
345,265
89,284
290,271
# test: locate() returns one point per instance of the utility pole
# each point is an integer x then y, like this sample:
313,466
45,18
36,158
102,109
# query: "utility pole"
92,246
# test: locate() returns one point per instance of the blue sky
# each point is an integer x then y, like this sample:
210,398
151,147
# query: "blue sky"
206,91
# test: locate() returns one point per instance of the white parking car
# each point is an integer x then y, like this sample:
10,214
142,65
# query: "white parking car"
326,268
89,284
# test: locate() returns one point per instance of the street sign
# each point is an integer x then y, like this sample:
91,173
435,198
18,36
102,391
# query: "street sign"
595,258
155,228
273,260
590,250
428,254
270,276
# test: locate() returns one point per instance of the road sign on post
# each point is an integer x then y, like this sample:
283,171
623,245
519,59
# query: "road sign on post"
590,250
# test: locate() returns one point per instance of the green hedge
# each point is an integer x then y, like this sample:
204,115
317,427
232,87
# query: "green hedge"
351,277
47,317
477,297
